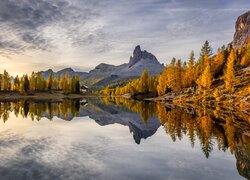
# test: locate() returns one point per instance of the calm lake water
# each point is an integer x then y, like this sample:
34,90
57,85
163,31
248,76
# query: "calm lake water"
121,139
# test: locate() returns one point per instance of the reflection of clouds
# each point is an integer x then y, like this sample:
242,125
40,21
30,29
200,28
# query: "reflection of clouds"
84,150
47,158
7,139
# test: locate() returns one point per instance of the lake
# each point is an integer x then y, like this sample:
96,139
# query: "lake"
121,139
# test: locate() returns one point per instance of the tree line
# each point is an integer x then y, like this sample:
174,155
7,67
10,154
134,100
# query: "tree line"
198,75
36,82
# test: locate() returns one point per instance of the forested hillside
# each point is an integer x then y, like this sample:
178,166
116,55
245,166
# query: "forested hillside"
210,76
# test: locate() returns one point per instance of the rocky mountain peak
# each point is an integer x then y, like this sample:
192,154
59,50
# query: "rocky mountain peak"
137,52
103,65
242,32
138,55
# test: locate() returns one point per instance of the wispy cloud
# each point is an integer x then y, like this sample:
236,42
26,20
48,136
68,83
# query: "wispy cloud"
25,23
83,33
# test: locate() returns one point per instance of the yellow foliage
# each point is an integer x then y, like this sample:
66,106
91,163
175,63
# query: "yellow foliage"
229,77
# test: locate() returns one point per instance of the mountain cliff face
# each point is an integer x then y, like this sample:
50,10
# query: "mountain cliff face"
242,32
103,74
138,62
138,55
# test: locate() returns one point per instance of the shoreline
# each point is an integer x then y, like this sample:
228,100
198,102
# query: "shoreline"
15,96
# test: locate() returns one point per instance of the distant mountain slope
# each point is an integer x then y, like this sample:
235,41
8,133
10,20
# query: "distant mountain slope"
104,74
62,72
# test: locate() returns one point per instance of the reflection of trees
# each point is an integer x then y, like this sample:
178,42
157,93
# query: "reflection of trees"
4,110
203,124
36,110
208,128
209,132
145,108
178,123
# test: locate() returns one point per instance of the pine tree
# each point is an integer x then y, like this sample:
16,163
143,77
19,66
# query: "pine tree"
144,82
189,75
40,82
246,58
66,84
33,82
1,82
26,84
229,74
75,83
173,61
50,81
16,85
162,84
178,76
152,84
205,80
6,85
206,49
219,62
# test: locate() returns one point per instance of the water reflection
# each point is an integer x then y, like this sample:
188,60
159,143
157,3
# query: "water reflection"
66,110
210,128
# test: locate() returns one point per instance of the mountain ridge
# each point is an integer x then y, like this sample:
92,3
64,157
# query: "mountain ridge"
104,73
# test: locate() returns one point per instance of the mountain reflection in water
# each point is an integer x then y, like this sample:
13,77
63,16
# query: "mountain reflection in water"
210,128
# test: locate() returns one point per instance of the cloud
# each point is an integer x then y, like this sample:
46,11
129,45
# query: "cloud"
83,33
25,23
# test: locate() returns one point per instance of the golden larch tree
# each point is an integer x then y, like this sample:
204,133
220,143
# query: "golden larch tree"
229,73
205,80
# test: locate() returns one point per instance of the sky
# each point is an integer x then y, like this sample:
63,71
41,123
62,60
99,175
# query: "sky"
41,34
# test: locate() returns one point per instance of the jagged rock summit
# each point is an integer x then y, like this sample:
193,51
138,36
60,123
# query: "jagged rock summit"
138,55
242,32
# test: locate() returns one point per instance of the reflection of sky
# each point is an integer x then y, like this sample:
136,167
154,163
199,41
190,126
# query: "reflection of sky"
81,148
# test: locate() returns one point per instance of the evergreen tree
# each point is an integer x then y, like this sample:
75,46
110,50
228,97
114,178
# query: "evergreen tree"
66,84
26,84
190,70
205,80
162,84
246,58
173,61
1,82
144,82
75,83
16,85
219,62
40,82
178,76
229,74
33,82
6,84
206,49
50,81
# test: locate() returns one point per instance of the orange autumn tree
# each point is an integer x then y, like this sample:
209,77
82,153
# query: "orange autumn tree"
205,80
229,77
